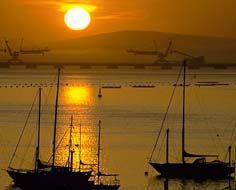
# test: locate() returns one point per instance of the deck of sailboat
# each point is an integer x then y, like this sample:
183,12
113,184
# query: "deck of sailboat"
194,170
49,179
46,175
50,175
105,187
198,169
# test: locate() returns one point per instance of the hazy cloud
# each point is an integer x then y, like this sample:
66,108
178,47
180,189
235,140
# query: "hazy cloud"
197,17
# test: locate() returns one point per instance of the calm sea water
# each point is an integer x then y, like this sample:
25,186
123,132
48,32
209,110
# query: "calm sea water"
131,118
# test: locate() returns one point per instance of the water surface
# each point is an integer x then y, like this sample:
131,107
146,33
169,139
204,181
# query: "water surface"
131,118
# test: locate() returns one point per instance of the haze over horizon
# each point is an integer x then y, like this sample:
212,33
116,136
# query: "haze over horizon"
44,20
112,47
200,28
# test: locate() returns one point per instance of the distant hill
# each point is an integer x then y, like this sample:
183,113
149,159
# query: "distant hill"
142,39
111,47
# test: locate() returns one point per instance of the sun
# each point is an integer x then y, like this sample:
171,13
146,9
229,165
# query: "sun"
77,18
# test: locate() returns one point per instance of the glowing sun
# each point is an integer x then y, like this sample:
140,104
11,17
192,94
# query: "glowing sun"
77,18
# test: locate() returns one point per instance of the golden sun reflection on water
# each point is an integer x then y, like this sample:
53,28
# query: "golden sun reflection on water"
87,146
77,95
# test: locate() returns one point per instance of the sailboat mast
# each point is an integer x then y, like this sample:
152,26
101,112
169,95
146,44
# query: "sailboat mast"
39,126
167,146
229,149
70,159
55,121
183,127
99,147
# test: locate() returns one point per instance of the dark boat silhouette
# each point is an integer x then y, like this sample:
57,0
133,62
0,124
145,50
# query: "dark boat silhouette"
60,178
111,86
200,168
109,181
49,175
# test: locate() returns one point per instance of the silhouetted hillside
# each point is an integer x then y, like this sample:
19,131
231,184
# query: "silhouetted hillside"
112,46
142,39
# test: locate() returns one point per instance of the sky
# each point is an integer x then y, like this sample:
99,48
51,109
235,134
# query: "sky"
43,20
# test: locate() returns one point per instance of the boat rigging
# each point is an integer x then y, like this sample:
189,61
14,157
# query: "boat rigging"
108,183
49,176
200,168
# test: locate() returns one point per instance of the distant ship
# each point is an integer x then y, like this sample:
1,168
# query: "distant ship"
50,176
200,168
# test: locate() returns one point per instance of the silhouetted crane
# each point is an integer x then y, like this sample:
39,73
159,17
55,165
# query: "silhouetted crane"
36,51
161,56
16,53
193,59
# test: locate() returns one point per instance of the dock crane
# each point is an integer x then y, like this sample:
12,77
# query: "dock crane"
1,47
161,56
194,59
16,53
36,51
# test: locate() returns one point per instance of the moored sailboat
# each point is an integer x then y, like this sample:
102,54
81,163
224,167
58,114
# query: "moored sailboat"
200,168
50,176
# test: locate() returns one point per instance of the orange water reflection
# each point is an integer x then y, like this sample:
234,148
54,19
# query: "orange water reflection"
77,95
83,132
84,152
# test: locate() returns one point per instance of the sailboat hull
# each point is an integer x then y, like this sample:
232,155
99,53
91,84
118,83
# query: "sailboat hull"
193,170
50,180
105,187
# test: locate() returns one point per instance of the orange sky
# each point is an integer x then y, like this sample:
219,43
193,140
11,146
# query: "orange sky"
44,19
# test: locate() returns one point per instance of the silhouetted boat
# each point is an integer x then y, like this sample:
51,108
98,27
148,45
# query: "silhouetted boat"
109,86
200,168
109,181
211,84
50,176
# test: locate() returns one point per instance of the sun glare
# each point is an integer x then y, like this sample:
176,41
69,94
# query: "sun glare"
77,18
